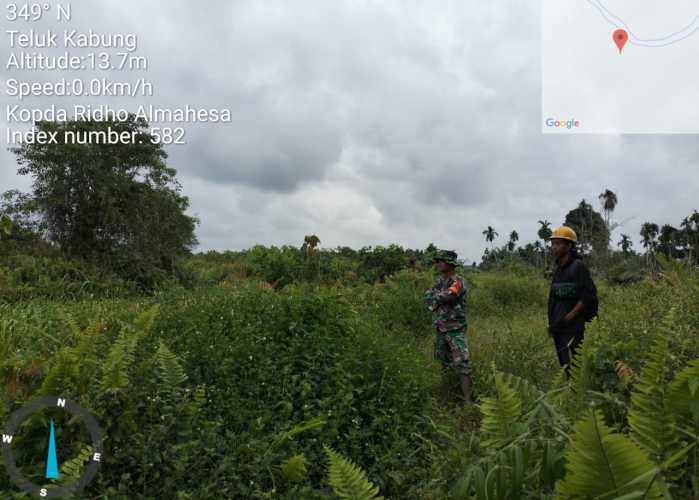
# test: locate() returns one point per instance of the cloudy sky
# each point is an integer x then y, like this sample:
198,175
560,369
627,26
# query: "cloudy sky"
369,123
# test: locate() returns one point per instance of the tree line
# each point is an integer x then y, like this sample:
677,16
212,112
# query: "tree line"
594,230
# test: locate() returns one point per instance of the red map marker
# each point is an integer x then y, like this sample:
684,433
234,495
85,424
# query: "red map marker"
620,38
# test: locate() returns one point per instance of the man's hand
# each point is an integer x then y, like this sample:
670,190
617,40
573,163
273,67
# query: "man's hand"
574,312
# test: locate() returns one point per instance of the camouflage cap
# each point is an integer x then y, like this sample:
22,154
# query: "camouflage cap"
447,256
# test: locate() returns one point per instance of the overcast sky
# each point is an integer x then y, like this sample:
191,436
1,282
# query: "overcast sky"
369,123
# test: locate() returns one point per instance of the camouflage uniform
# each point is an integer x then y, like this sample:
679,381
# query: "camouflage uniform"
446,299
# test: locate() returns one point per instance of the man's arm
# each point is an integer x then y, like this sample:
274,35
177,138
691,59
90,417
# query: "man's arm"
451,294
586,289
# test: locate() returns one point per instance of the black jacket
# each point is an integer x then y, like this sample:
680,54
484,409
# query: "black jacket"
570,284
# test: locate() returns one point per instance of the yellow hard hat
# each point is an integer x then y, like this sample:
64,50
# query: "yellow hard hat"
564,233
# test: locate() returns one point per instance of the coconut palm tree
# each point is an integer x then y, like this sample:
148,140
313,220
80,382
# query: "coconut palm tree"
490,235
514,238
545,230
545,233
609,202
625,243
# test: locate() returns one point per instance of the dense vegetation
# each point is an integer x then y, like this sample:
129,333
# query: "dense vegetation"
231,387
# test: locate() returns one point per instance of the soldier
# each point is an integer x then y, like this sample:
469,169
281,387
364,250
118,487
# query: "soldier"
572,298
446,299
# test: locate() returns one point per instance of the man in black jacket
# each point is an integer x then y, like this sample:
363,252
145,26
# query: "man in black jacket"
572,292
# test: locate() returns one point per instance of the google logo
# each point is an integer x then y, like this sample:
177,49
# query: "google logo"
572,123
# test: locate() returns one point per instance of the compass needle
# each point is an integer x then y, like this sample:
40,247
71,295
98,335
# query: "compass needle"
52,460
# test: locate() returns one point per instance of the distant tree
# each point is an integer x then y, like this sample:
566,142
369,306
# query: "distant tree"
119,203
690,228
514,238
609,201
649,231
20,209
545,230
5,225
625,243
590,227
310,242
668,240
490,235
544,234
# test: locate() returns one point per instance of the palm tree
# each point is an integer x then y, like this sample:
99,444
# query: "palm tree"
490,235
514,238
609,201
668,240
309,245
545,230
545,233
625,243
649,231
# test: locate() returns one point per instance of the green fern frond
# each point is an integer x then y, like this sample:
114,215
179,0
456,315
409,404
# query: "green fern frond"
582,374
282,437
501,414
199,397
64,371
71,470
652,423
294,468
349,481
683,394
74,368
527,391
144,321
115,371
172,375
604,465
69,320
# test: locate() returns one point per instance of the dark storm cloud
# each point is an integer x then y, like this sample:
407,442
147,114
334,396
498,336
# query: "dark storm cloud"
370,123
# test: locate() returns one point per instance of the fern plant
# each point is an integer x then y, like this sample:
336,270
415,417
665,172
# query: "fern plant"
172,375
501,415
294,468
71,470
582,375
115,372
349,481
73,368
683,395
145,320
604,465
652,423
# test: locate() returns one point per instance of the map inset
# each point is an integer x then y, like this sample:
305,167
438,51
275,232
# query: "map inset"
620,66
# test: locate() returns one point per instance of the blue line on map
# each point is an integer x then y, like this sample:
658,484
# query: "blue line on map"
617,22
